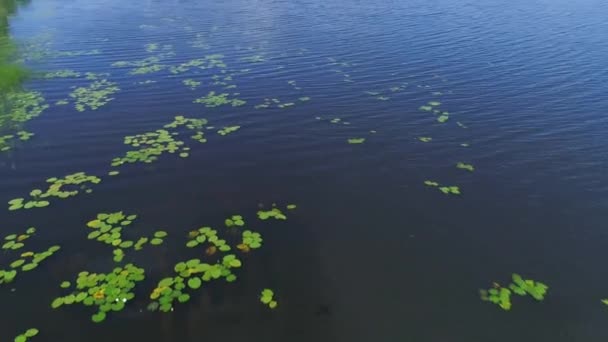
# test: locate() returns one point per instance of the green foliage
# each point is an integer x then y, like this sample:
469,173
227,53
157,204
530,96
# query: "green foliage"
215,100
150,145
191,83
275,213
26,335
228,130
95,95
267,298
69,186
25,261
252,240
206,234
62,74
108,292
464,166
108,228
356,140
450,190
425,139
191,274
235,220
501,296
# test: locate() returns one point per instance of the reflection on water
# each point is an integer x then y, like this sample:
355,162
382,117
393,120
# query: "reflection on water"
303,171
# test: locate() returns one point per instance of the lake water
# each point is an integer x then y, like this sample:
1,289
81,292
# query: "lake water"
370,253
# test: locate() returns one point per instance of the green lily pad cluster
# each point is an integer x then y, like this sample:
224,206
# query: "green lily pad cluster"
275,213
190,274
146,65
251,239
196,125
433,106
267,298
208,62
151,47
62,102
22,107
223,80
192,84
465,166
228,130
235,220
62,74
206,234
356,140
29,333
501,296
108,292
69,186
151,145
304,98
425,139
15,241
107,228
26,261
448,190
6,140
215,100
95,95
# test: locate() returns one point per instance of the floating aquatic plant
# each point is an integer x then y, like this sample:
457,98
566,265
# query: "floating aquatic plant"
442,118
62,102
29,333
151,47
465,166
448,190
356,140
26,261
69,186
426,108
251,240
453,190
207,234
267,298
304,98
425,139
108,227
228,130
15,241
383,98
22,106
502,295
291,206
191,274
275,213
191,83
62,74
235,220
95,95
108,292
434,103
150,146
215,100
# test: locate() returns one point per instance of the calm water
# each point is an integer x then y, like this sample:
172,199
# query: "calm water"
371,253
